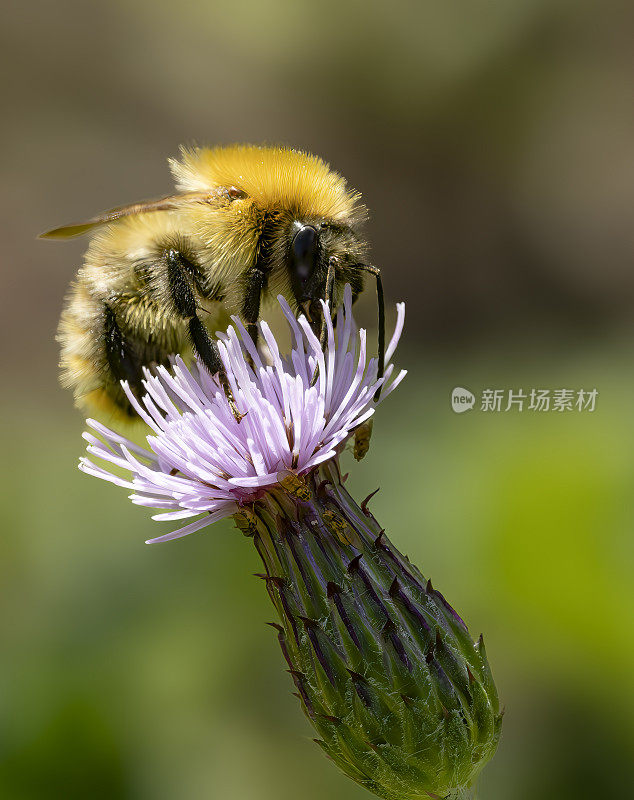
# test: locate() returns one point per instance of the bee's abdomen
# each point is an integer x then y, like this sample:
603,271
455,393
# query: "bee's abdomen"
84,360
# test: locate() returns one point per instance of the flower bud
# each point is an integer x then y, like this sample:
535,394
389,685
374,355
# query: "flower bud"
401,697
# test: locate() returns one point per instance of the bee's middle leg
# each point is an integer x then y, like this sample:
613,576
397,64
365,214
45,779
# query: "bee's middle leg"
183,298
255,283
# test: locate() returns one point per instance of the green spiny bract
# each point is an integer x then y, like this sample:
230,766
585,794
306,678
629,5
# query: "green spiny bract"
402,698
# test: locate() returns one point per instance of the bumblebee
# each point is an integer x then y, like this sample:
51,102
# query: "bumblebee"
161,277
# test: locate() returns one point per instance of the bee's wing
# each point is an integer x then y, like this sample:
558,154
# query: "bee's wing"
168,203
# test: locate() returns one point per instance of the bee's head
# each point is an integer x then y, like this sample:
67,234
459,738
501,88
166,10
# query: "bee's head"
314,247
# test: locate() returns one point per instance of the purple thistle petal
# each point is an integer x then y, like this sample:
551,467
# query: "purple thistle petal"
195,526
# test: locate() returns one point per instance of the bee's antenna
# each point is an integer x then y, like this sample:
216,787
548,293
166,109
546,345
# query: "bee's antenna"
330,282
381,309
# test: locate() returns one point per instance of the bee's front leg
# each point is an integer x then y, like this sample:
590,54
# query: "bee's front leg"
323,335
183,298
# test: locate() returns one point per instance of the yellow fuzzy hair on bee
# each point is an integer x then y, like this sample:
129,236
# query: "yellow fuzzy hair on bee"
270,176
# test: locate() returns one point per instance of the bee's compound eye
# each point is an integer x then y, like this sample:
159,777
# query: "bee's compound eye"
304,252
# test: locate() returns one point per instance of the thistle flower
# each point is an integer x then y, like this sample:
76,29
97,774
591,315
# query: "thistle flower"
201,460
400,695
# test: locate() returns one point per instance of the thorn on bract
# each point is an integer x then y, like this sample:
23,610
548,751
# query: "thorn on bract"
277,627
364,503
378,542
297,674
353,566
322,485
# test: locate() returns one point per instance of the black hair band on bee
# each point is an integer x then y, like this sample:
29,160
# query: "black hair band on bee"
381,311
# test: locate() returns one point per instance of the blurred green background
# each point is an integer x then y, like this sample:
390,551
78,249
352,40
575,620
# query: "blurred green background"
494,144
